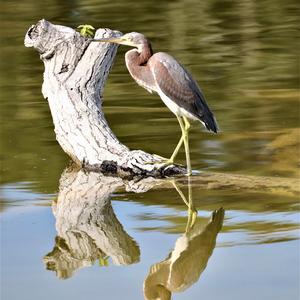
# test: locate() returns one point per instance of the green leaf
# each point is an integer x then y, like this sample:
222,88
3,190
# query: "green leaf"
86,30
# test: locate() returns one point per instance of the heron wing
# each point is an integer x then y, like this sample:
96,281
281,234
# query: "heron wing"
178,85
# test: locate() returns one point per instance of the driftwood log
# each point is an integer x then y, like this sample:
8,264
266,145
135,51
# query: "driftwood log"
74,77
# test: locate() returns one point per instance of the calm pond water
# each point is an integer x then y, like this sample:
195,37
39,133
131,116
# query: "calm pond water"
103,240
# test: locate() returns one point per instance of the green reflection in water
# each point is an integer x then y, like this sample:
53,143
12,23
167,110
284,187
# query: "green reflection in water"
242,54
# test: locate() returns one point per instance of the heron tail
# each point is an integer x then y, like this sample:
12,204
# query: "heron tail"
209,121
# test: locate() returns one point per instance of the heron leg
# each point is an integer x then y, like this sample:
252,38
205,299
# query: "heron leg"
185,126
175,152
185,129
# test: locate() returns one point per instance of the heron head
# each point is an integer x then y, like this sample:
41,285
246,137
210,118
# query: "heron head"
133,39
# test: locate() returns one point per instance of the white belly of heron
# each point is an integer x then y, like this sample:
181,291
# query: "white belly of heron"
176,109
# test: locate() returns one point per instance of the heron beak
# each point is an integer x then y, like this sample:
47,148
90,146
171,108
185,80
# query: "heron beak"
117,40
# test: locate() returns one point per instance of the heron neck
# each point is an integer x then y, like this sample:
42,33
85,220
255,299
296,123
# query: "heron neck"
145,52
136,63
139,56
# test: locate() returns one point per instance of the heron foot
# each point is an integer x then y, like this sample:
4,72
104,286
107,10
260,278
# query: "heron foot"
170,161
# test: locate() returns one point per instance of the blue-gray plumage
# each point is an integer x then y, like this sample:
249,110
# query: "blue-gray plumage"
163,74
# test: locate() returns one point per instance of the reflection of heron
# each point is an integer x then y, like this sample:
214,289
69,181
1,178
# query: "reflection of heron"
186,262
192,211
162,74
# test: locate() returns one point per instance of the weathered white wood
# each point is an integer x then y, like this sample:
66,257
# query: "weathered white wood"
74,77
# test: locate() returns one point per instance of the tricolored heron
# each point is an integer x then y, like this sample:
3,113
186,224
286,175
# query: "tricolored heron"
163,74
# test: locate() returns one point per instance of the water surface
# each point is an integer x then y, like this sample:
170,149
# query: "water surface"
119,244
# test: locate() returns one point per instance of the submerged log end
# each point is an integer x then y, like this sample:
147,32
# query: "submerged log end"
111,168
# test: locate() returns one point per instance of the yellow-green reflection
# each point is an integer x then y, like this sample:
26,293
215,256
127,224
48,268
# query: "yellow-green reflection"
185,263
192,211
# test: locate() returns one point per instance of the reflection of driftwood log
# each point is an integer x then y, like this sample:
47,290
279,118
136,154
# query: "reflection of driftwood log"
186,262
74,77
233,182
217,181
86,225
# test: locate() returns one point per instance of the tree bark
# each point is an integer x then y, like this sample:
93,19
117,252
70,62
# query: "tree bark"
74,77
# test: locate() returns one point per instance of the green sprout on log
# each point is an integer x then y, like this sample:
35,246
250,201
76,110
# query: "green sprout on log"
86,30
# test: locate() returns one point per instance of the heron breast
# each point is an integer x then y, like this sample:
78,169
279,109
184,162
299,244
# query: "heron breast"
144,85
